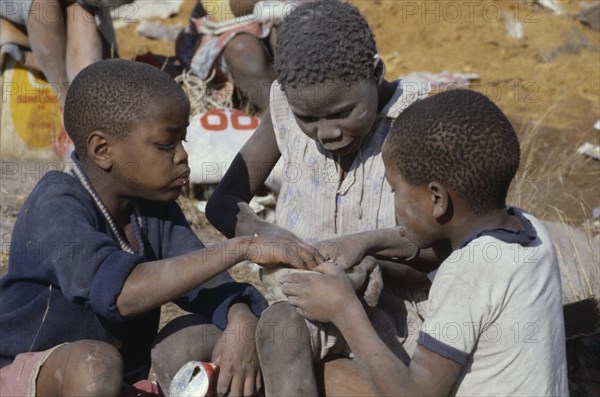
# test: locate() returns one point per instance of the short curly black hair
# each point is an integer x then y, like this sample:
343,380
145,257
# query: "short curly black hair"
461,139
323,41
111,95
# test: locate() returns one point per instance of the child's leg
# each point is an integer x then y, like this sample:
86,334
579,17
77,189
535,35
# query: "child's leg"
84,43
48,39
285,353
342,377
186,338
83,368
251,68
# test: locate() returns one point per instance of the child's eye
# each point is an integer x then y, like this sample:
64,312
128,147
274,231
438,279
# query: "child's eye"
307,119
341,115
166,147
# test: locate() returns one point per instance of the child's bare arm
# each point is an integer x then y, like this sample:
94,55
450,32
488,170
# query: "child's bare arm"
330,298
429,374
403,275
155,283
347,251
228,208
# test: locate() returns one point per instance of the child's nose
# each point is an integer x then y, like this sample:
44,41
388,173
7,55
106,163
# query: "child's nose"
181,154
329,133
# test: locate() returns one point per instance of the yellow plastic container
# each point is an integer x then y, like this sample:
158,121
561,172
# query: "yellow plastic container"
31,118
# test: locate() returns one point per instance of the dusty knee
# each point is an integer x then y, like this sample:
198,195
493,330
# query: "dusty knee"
92,368
190,334
242,45
283,342
279,315
246,52
100,363
185,338
280,325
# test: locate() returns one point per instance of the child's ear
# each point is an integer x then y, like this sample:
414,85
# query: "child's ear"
98,150
440,202
379,69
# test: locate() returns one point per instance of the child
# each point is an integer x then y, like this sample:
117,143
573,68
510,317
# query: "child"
330,111
65,36
236,38
495,323
95,253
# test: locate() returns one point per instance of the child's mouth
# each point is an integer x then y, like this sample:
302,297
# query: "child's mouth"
340,150
183,179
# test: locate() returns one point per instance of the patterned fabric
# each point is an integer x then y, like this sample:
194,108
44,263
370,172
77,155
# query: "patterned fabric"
210,47
315,205
199,46
313,202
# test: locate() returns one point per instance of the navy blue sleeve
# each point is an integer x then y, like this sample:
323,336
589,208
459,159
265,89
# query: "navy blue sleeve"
217,295
177,238
215,302
59,238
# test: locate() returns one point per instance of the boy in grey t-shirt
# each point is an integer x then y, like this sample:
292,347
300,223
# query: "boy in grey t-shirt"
494,324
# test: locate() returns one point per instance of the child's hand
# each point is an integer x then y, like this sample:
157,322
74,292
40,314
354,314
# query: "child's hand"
346,251
235,353
320,297
272,251
369,271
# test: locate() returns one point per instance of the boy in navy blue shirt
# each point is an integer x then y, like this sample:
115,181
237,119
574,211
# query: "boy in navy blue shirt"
96,251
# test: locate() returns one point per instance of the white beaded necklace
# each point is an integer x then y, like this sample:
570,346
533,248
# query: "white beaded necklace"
135,221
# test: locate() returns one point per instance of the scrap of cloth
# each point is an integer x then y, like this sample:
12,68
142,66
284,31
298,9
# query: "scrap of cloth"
213,25
200,44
